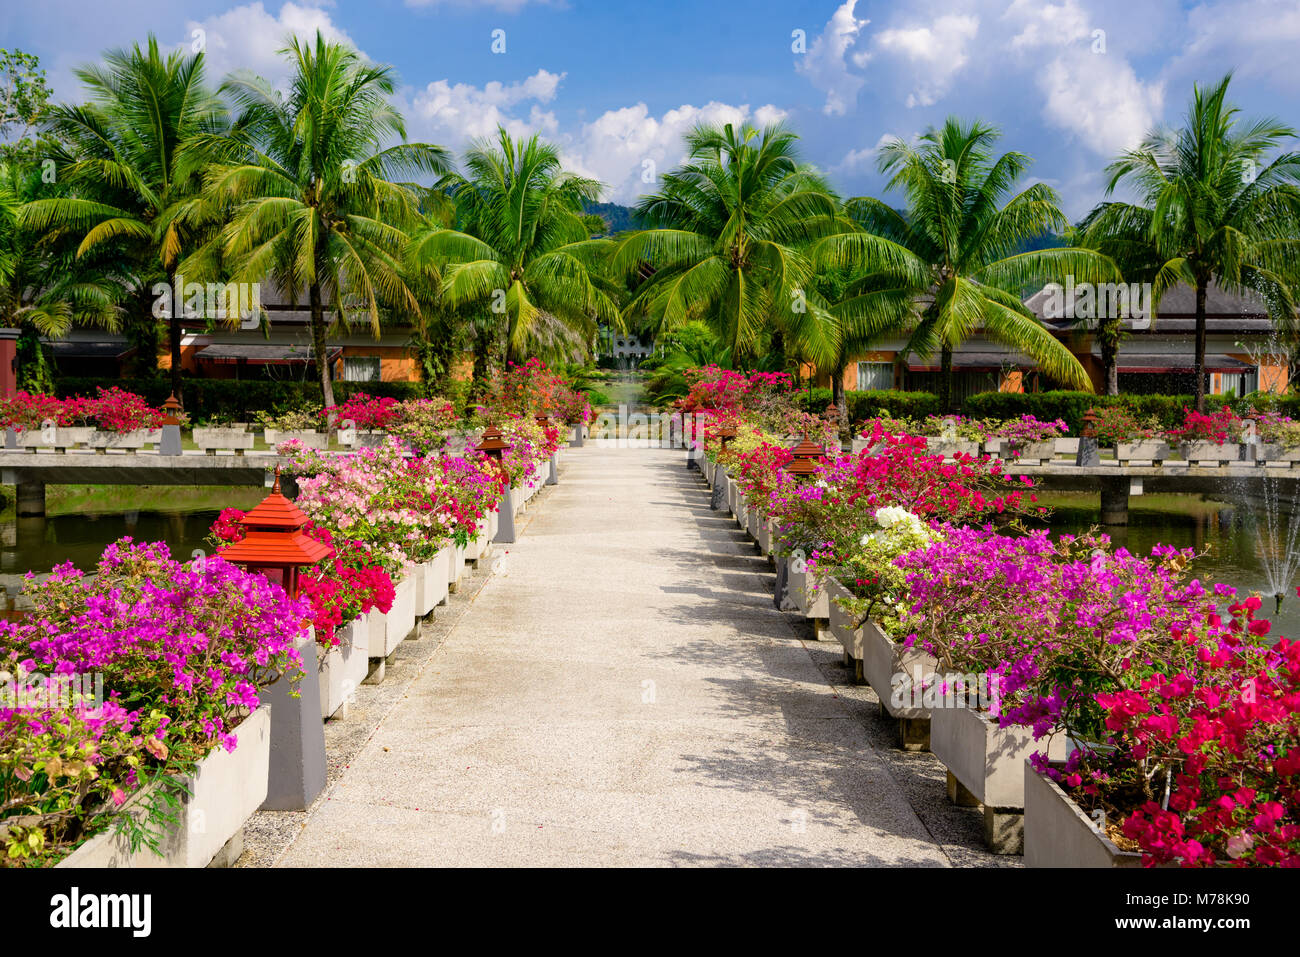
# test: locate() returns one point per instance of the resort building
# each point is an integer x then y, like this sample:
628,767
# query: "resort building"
1243,351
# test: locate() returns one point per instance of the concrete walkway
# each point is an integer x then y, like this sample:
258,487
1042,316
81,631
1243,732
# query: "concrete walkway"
622,692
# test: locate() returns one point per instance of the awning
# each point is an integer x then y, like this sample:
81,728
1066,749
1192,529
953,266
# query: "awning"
88,349
1179,363
974,362
254,355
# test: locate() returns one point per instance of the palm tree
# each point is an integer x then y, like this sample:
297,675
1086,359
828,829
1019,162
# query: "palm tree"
950,266
724,243
1212,210
523,249
314,199
121,156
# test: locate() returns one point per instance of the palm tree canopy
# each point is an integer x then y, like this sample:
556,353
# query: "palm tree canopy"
954,256
120,153
725,243
522,246
313,183
1208,204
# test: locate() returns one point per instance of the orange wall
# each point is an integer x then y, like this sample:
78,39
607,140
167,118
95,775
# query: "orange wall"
1013,381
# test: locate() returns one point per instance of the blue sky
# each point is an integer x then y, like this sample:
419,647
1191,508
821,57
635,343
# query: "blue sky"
616,83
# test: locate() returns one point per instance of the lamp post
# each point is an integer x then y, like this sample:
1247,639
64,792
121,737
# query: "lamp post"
1088,453
725,434
276,545
553,475
807,455
274,542
494,446
170,441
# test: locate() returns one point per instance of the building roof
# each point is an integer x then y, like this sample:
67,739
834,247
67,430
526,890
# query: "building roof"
1224,311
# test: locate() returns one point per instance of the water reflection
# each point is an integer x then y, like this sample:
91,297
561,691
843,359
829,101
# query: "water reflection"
38,544
1229,534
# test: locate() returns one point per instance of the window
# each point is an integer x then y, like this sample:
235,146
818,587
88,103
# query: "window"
1238,383
361,369
875,375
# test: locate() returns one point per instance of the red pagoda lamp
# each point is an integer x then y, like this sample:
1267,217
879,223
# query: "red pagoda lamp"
274,542
171,409
492,444
807,454
726,434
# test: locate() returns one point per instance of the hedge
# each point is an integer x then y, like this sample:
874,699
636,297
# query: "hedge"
870,403
230,400
1072,406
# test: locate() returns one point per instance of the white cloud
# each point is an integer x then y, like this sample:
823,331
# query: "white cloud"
451,114
1044,24
629,149
826,63
863,160
249,37
1258,37
1089,89
1102,105
937,53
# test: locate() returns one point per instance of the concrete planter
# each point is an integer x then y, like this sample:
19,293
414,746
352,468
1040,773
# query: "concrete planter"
456,566
225,790
129,441
751,521
764,532
393,627
893,671
1277,455
1029,453
1059,834
311,440
1144,452
213,440
808,589
741,510
60,439
943,447
478,544
842,627
344,667
430,580
986,765
1210,454
993,447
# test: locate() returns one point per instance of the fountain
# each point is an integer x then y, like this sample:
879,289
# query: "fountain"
1274,515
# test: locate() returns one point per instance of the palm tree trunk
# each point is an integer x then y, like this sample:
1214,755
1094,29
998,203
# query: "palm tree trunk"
1202,286
837,394
174,336
945,379
1108,337
319,346
482,349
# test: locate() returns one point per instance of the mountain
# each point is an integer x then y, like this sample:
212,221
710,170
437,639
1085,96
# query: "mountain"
619,218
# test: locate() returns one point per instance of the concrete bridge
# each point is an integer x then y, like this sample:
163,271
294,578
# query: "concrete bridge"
30,472
1118,484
